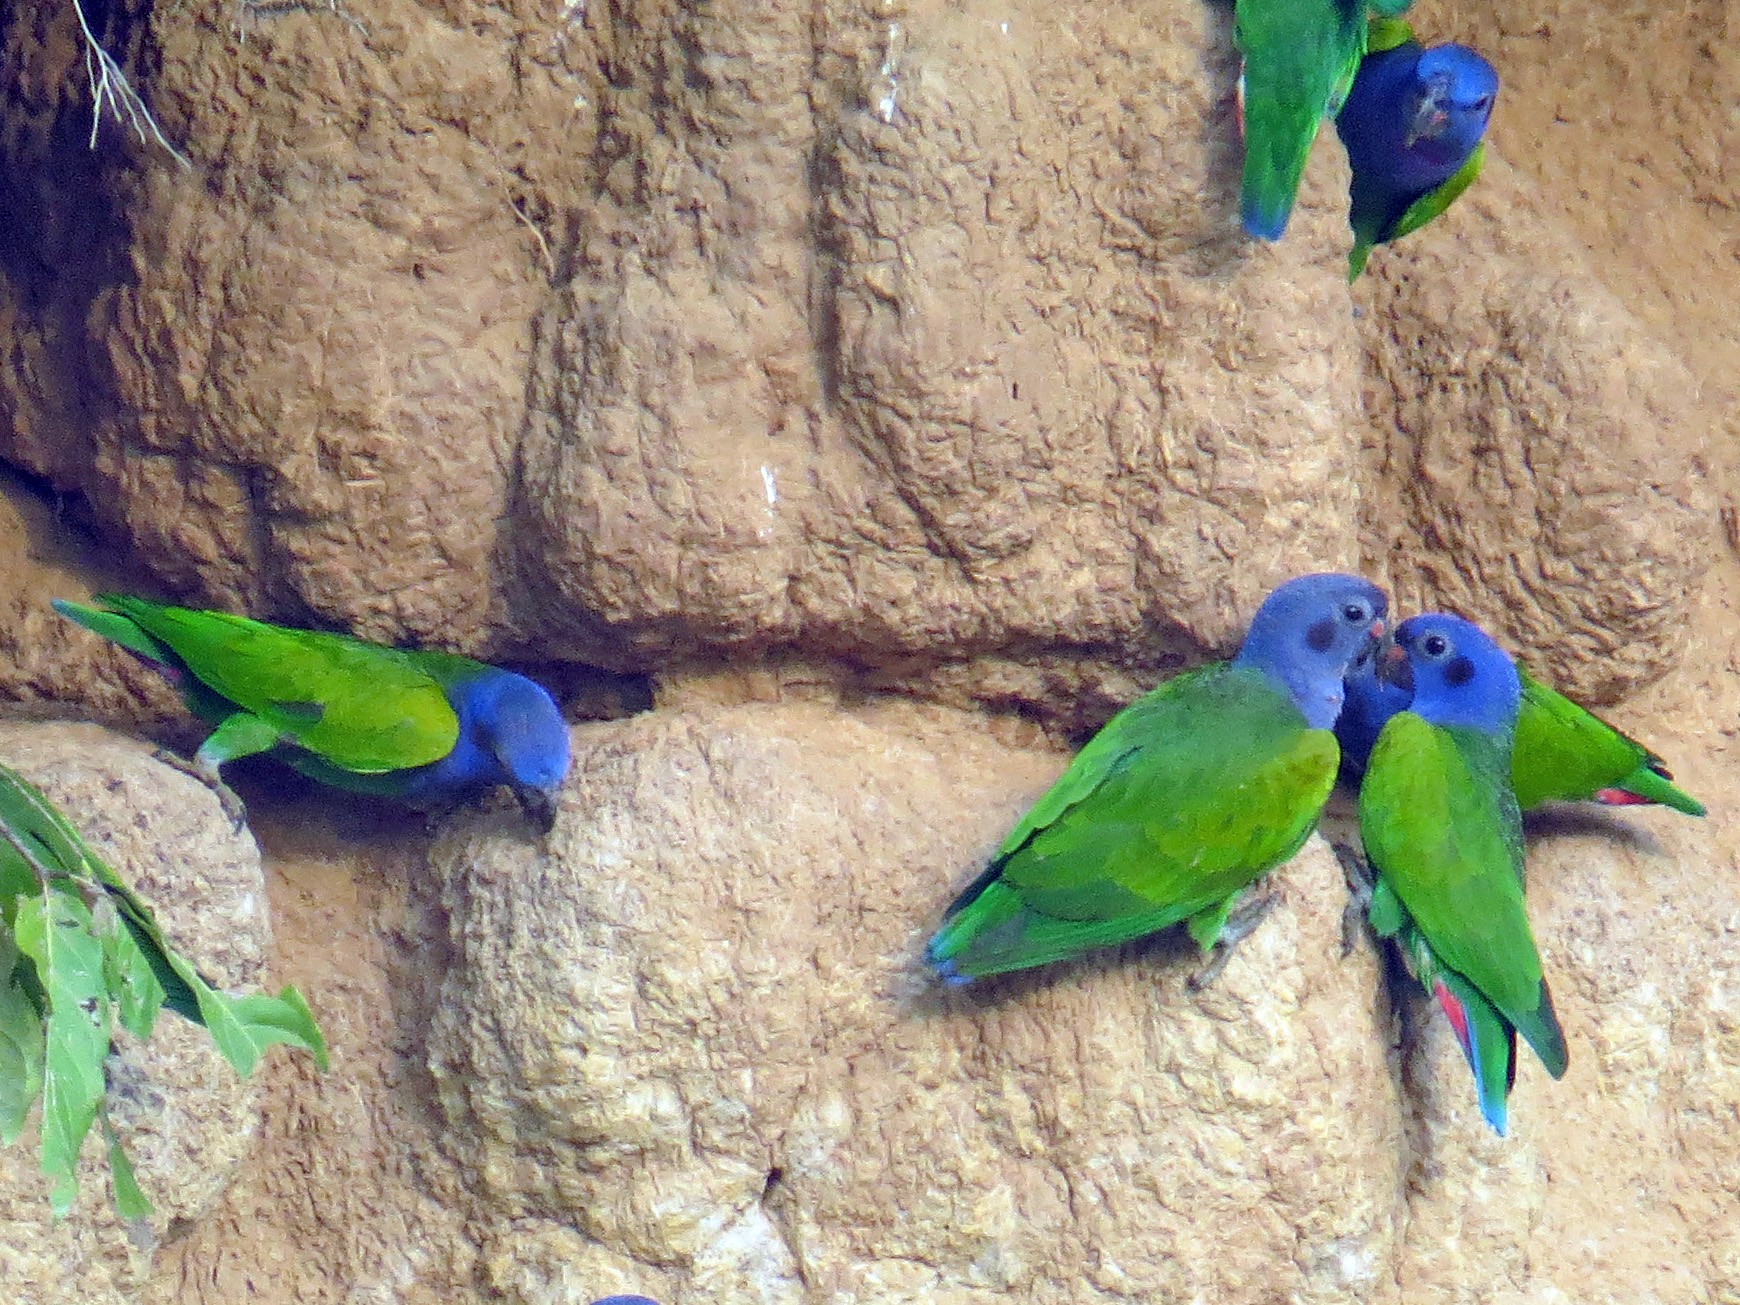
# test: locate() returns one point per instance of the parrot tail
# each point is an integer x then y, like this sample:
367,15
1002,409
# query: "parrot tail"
1487,1040
122,629
1650,782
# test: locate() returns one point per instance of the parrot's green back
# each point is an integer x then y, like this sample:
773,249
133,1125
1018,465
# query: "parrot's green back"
1565,752
1181,801
1443,830
360,706
1300,59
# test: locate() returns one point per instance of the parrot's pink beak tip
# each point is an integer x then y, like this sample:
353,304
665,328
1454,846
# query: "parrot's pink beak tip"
1397,653
1377,628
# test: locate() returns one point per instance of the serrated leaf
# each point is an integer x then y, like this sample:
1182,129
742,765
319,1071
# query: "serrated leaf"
22,1047
130,1199
53,929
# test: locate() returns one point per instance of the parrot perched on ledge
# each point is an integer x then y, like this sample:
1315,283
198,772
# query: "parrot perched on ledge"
1181,802
1443,833
1413,125
425,728
1300,57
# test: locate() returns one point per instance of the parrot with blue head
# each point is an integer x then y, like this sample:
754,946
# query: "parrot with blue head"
1181,801
1300,57
425,728
1443,833
1414,125
1564,752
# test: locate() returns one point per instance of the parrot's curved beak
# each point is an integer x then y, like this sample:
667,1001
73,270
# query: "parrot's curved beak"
540,805
1432,116
1394,667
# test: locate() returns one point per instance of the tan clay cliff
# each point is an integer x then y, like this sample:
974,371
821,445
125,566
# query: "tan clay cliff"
882,390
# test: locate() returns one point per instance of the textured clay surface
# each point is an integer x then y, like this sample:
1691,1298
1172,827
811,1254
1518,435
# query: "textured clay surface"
641,333
186,1120
808,357
691,1033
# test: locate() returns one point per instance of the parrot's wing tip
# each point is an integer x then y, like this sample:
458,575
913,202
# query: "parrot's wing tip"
1259,227
947,971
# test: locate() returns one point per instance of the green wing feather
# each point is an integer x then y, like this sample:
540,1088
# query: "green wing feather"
1567,753
1442,828
362,706
1300,60
1182,800
1386,33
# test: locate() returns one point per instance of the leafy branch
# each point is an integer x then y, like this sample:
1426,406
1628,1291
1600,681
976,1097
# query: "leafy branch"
80,955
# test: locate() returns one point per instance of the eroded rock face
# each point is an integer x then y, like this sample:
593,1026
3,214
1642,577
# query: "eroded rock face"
684,1049
687,1049
186,1120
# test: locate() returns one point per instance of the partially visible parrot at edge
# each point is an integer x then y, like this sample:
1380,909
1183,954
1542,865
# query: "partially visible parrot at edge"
1413,125
1564,752
426,728
1180,802
1300,57
1443,833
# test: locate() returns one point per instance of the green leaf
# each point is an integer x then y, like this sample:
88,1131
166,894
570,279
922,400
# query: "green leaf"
243,1027
130,1199
131,978
21,1046
54,930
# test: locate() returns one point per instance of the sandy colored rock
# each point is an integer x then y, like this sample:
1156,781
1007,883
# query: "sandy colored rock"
886,336
691,1033
1539,456
186,1120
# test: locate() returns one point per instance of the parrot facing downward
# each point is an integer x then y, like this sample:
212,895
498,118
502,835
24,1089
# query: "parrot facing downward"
1412,125
1442,829
426,728
1183,800
1300,58
1564,752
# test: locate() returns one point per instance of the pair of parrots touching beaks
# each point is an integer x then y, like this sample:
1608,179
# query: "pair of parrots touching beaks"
1191,793
1412,119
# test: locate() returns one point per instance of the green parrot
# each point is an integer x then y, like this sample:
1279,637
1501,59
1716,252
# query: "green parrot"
1564,752
425,728
1300,60
1183,800
1443,832
1413,125
1567,753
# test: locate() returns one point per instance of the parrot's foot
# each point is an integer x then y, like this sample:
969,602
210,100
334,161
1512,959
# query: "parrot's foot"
208,776
1360,882
1241,924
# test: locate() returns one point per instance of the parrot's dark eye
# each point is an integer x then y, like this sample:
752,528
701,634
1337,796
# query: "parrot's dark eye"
1356,613
1435,645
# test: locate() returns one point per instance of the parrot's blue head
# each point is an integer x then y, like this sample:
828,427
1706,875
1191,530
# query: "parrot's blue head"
1457,89
1461,677
1306,634
519,725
